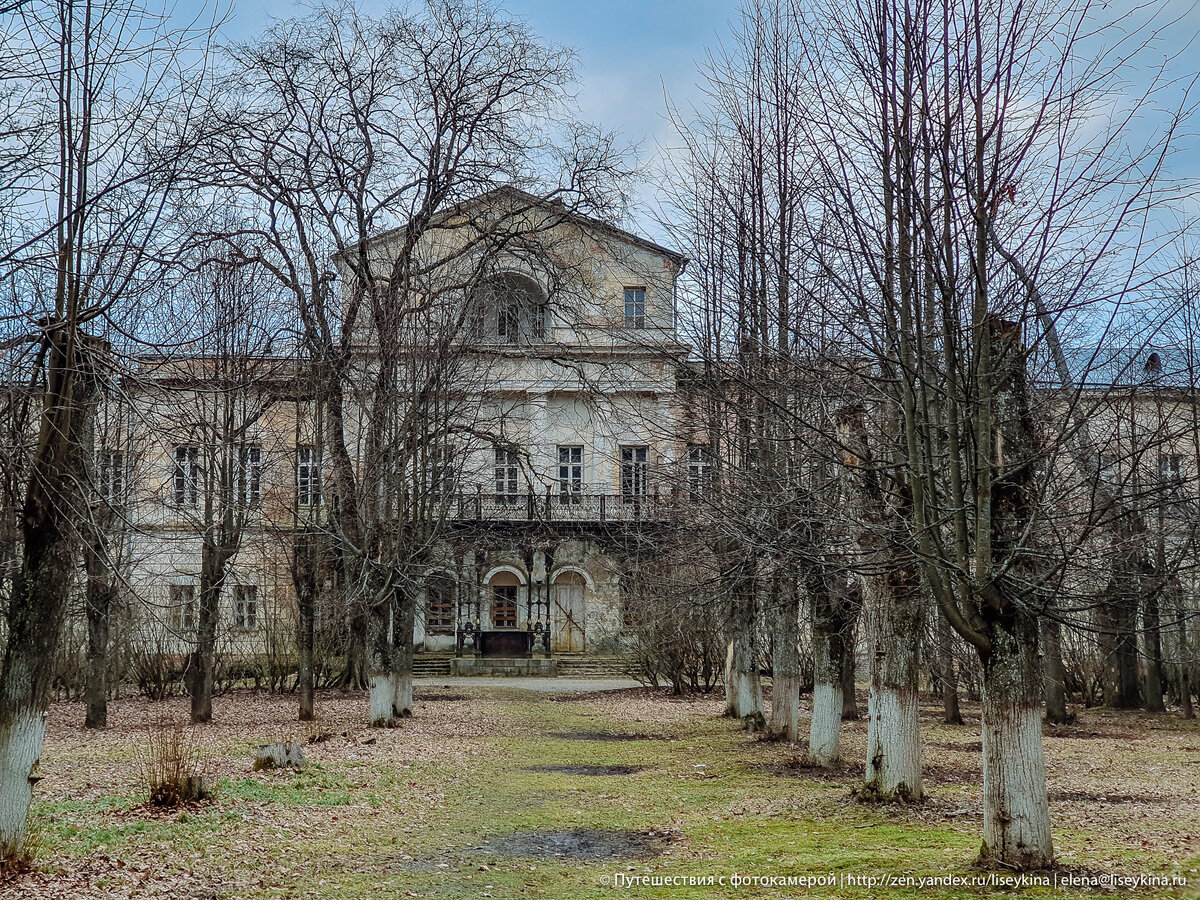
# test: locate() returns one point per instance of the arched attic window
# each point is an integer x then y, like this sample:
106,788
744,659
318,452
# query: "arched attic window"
512,309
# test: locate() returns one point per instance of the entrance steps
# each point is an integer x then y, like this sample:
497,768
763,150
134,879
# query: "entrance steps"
431,665
581,666
569,665
499,666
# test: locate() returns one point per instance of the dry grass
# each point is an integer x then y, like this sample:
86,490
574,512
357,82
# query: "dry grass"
173,763
405,811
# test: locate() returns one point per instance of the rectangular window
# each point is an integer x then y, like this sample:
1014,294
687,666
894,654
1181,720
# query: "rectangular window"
245,606
504,606
538,319
439,605
699,473
112,476
635,307
249,476
508,476
634,472
508,324
186,476
570,474
308,477
443,478
1170,472
183,607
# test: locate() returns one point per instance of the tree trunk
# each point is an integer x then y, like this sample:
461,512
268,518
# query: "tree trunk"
1185,662
1016,811
743,688
37,607
382,672
304,579
99,595
204,658
1153,677
402,656
893,721
785,661
835,611
1054,674
35,620
382,697
1117,618
825,727
355,675
849,677
951,714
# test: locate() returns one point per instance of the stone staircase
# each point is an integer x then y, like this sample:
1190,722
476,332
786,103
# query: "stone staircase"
577,665
569,665
431,665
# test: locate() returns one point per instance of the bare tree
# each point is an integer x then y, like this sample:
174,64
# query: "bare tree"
337,129
954,108
92,84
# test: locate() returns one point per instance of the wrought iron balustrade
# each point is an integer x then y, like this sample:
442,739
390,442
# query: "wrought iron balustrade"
555,505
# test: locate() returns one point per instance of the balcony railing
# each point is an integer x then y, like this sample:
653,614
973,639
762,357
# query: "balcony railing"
556,506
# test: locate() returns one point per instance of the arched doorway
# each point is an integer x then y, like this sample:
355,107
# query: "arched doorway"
568,605
504,600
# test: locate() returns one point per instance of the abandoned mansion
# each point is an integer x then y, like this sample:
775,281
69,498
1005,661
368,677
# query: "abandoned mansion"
532,430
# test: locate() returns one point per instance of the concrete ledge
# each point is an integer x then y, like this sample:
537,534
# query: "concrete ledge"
502,667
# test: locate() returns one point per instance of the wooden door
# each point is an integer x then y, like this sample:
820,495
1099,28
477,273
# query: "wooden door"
569,608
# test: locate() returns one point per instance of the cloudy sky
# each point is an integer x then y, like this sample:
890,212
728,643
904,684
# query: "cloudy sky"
627,51
631,50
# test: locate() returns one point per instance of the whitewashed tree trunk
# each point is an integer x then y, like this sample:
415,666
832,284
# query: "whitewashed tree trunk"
785,708
835,609
743,686
1016,811
37,605
825,727
402,638
381,672
402,702
382,698
894,725
20,750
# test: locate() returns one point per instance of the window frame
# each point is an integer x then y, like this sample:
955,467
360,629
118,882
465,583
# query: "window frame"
1171,473
440,615
443,472
508,323
185,476
507,476
699,472
248,485
181,598
635,472
309,487
112,476
635,308
570,473
245,600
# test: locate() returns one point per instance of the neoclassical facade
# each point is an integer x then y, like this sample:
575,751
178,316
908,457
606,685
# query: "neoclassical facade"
560,460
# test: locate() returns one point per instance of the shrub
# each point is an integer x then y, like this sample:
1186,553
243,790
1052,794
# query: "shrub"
173,766
156,670
675,624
